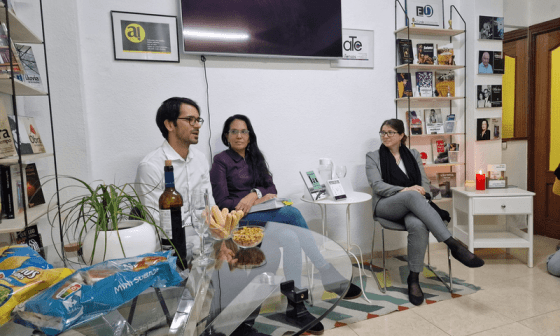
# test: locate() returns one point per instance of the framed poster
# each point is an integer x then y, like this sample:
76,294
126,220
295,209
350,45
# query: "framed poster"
145,37
357,49
425,13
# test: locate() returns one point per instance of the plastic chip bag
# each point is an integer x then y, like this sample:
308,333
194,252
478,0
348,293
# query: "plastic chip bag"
94,291
15,257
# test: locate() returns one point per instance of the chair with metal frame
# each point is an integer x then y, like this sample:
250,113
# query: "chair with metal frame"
395,226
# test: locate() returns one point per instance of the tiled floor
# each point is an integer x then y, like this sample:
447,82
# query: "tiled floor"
514,300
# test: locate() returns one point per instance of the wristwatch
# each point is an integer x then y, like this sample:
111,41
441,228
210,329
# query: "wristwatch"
255,190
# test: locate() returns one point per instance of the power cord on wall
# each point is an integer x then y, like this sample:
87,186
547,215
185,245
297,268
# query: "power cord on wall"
203,59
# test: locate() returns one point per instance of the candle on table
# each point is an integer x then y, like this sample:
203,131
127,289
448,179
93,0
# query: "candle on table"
480,181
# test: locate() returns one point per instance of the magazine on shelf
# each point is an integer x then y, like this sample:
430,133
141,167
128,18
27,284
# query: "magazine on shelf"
496,96
7,145
440,151
34,189
33,237
315,189
446,181
404,50
453,152
404,85
415,122
434,121
19,132
445,54
273,203
31,73
449,125
424,83
425,53
13,192
5,46
445,83
33,134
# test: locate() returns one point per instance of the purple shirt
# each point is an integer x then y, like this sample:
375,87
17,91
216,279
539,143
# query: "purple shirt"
232,179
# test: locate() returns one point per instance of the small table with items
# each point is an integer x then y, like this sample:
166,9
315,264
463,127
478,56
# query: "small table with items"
226,297
353,197
506,201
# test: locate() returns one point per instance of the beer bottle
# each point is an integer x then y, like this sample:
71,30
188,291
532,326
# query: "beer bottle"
171,217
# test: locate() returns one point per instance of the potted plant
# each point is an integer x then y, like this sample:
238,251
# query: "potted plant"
108,220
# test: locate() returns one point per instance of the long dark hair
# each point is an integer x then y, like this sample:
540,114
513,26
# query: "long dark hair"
398,126
253,155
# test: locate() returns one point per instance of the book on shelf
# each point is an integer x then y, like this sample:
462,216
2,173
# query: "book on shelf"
449,124
35,194
446,181
33,237
499,62
29,139
5,46
415,122
434,121
425,53
424,83
445,54
7,145
31,73
453,153
440,150
496,176
404,51
13,192
273,203
445,83
496,96
315,189
404,85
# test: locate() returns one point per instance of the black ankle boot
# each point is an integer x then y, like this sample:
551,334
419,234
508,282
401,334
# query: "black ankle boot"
415,294
464,256
334,282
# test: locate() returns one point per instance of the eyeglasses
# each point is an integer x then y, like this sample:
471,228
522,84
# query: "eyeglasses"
390,134
235,132
193,120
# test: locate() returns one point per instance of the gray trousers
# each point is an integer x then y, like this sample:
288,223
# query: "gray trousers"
419,219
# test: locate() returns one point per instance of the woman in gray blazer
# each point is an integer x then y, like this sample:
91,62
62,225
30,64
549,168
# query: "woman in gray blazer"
400,188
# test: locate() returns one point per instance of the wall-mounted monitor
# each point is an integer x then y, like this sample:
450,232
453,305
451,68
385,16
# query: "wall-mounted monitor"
273,28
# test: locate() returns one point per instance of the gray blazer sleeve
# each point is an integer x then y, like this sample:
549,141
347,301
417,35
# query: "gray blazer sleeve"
373,172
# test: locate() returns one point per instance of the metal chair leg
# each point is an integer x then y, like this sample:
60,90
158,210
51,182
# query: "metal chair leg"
450,285
382,289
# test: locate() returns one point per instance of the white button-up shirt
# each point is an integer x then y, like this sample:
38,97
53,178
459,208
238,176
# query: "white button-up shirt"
190,174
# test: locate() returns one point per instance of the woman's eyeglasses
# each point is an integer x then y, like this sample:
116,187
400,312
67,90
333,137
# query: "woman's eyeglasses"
390,134
235,132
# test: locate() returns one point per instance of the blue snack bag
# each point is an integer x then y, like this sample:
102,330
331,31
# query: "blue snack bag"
94,291
15,257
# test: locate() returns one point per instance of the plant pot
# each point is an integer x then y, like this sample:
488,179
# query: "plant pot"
137,237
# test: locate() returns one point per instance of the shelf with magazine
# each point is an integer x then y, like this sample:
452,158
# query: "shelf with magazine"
430,89
24,157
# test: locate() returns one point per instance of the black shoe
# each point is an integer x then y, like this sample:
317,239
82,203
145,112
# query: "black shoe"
317,329
467,258
354,292
412,289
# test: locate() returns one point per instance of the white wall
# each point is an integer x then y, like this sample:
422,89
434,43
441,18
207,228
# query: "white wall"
543,10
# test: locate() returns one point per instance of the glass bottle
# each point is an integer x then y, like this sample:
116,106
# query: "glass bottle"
170,215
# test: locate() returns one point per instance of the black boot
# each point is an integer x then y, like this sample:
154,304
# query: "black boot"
459,252
415,294
334,282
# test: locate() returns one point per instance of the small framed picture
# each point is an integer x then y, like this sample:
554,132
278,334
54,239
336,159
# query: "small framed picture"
145,37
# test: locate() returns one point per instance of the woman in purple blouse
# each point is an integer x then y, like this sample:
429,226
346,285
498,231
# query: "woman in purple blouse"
240,177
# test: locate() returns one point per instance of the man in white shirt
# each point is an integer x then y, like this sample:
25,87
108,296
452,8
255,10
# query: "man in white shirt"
484,67
179,122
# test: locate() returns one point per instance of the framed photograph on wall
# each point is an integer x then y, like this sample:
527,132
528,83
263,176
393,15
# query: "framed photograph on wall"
490,62
145,37
491,28
425,13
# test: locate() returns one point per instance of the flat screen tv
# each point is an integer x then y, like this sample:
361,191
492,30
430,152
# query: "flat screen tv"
276,28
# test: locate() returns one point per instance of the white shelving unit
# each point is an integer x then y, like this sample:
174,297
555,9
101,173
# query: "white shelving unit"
19,32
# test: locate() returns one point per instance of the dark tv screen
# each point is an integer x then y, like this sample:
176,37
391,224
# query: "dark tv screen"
291,28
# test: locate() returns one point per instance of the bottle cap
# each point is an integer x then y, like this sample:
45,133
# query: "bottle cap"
168,163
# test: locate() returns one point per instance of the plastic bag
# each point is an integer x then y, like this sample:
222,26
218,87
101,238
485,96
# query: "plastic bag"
94,291
15,257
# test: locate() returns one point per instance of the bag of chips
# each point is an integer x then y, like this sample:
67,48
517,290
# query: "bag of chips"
94,291
15,257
